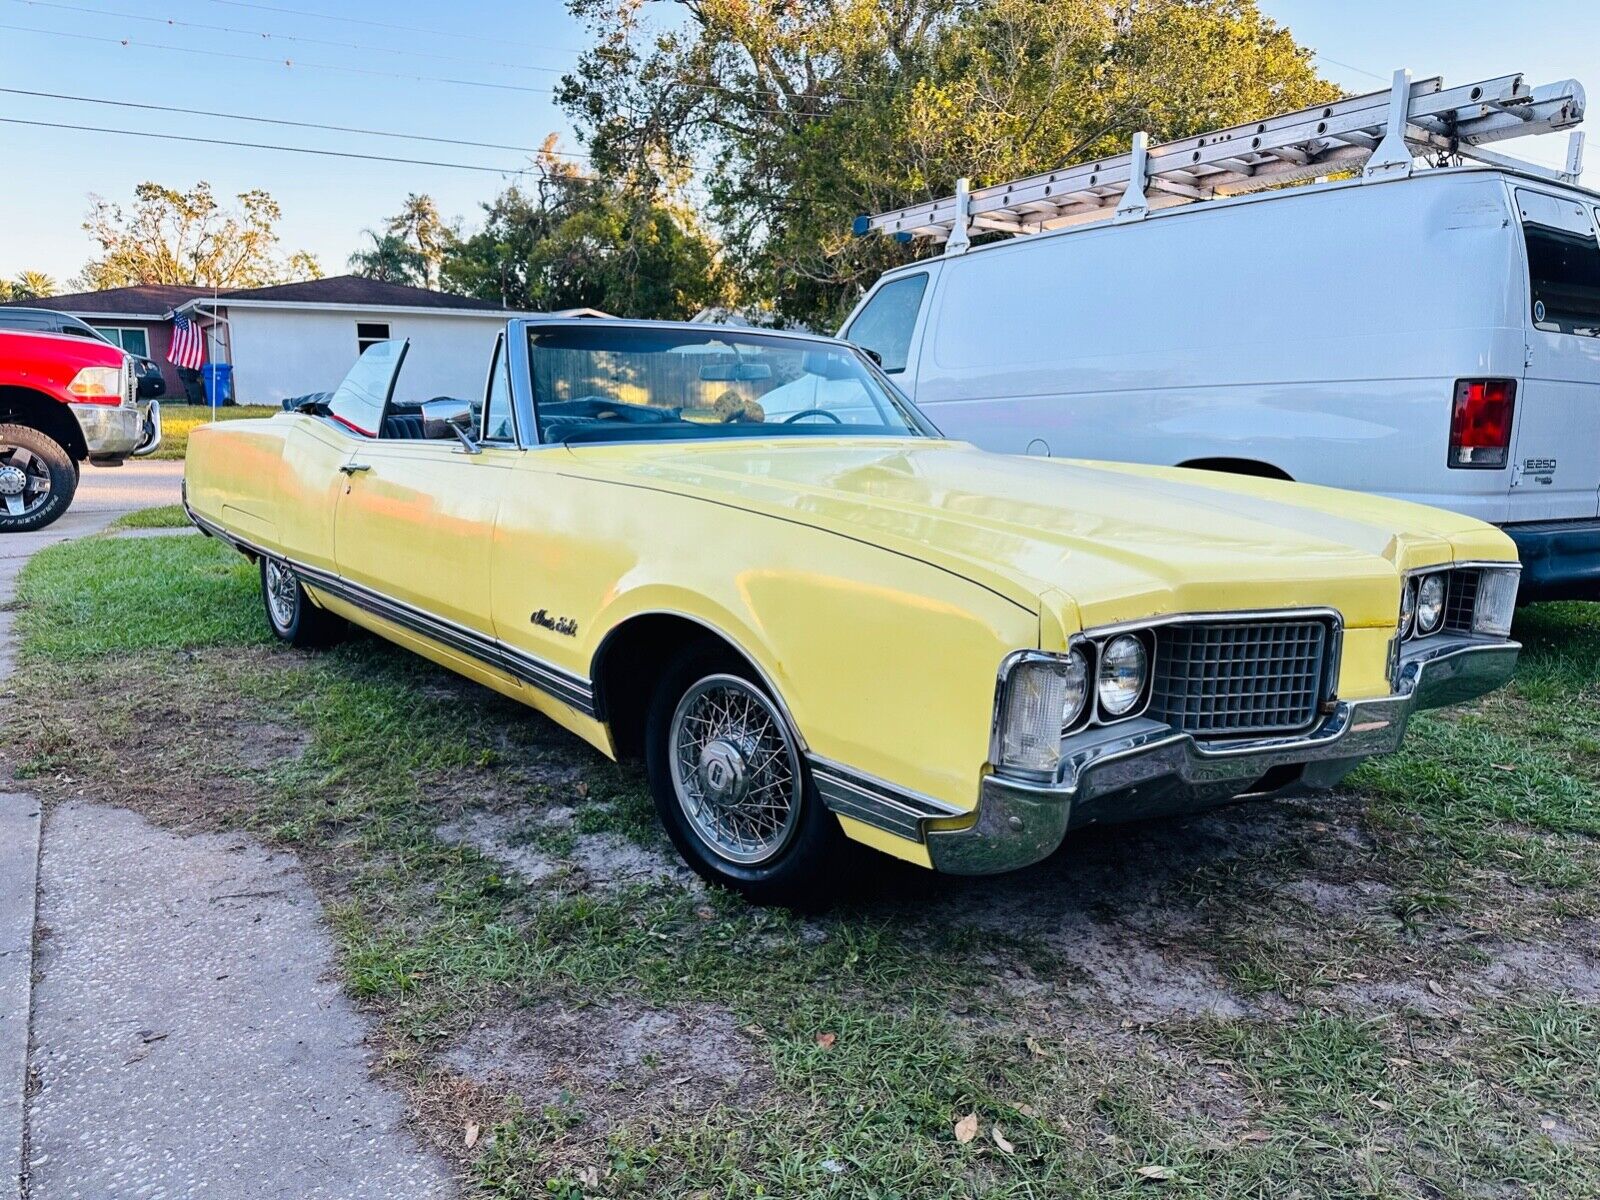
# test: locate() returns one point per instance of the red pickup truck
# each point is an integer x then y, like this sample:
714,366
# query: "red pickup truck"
63,400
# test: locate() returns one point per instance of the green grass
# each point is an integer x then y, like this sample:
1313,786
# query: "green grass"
179,420
937,1000
166,516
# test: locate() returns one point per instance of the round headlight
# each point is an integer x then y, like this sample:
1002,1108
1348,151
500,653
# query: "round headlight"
1430,603
1122,671
1408,607
1076,695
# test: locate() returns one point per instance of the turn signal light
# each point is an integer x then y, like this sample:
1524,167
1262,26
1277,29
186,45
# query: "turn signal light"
1480,423
101,385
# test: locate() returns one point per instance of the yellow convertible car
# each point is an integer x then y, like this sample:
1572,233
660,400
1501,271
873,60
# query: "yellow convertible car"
745,558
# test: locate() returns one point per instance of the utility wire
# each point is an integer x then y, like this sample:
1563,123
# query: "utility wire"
283,37
326,16
178,137
200,112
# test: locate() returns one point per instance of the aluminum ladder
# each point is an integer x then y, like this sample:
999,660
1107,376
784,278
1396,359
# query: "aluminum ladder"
1382,133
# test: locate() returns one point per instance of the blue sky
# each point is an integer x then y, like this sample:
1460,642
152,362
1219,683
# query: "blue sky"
497,47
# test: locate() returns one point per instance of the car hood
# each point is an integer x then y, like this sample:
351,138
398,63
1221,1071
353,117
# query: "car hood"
1111,541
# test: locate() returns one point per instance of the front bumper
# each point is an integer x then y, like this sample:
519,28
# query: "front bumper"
1143,768
110,431
1560,559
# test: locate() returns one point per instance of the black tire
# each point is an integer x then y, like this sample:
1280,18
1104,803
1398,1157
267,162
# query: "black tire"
293,616
804,867
43,474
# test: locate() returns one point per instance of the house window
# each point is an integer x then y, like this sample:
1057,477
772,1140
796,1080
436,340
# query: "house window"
369,332
134,341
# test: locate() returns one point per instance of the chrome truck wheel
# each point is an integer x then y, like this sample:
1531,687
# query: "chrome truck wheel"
37,479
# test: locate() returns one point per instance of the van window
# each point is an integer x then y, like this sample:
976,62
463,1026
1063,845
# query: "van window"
1564,274
886,323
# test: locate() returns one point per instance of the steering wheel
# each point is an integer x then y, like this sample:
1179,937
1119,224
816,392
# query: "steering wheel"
813,412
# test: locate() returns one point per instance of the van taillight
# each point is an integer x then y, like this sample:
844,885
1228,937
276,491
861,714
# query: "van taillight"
1480,422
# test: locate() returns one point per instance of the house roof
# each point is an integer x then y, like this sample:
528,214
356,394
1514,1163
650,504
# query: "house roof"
357,290
150,302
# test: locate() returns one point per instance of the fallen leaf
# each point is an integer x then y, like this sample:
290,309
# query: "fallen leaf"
581,788
472,1134
705,912
1255,1135
826,1040
1026,1110
1035,1048
1156,1173
1433,986
1380,1105
967,1128
589,1176
1503,766
1000,1140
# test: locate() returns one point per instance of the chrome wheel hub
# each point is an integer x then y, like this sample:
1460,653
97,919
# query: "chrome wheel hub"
282,594
24,481
735,770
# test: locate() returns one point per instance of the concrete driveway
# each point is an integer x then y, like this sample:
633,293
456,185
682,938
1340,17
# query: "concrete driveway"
182,1023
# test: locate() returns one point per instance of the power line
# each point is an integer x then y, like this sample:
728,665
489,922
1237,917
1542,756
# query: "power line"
292,63
200,112
325,16
178,137
284,37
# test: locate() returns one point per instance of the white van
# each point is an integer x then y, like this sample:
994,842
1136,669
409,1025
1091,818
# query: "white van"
1434,338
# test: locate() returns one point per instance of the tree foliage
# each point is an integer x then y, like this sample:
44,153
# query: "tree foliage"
28,285
390,259
575,241
189,238
801,114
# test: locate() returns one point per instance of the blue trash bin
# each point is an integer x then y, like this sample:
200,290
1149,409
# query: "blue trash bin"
218,381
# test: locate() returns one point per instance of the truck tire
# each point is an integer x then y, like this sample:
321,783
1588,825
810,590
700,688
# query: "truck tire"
37,479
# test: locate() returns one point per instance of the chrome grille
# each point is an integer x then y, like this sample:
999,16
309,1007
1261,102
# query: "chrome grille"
1460,599
1232,677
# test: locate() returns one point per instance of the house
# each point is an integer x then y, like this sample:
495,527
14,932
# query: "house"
137,318
295,338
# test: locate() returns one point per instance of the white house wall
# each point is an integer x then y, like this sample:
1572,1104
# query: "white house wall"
279,353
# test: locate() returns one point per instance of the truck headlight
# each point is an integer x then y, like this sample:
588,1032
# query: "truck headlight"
1044,695
1430,602
1123,669
1497,601
103,384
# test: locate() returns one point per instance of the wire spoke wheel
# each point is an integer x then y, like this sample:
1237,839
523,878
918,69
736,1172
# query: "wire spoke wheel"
735,770
283,593
24,481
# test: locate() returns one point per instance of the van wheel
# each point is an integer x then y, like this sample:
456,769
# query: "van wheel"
37,479
732,788
293,615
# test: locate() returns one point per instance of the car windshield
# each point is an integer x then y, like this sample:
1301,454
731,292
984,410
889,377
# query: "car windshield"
612,382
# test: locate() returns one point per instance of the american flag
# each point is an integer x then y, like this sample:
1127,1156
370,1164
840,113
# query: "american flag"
188,344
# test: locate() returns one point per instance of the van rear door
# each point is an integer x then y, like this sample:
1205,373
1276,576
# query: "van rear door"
1555,471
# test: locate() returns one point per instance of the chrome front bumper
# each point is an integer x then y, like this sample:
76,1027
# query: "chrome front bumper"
1142,768
110,431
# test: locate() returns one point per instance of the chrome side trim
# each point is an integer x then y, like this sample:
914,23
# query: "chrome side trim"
875,802
569,689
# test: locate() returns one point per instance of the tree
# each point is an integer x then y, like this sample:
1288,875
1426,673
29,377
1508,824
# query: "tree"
801,114
423,232
31,285
578,241
178,237
390,259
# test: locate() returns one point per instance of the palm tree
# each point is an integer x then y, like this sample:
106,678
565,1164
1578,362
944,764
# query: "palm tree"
390,260
33,285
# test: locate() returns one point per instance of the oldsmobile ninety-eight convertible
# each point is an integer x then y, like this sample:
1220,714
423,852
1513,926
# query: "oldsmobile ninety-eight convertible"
746,558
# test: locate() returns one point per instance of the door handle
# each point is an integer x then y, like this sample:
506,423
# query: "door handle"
351,468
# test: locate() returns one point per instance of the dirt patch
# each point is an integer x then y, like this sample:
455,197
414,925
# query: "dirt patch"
615,1061
538,845
261,745
1569,968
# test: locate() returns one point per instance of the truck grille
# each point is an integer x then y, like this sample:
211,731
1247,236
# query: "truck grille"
1233,677
130,384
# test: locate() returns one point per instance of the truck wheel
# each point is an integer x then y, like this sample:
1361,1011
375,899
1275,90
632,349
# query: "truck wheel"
293,615
37,479
732,788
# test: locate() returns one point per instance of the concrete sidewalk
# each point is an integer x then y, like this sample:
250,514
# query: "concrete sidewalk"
183,1027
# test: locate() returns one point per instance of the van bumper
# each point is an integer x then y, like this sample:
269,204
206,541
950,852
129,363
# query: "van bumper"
1560,559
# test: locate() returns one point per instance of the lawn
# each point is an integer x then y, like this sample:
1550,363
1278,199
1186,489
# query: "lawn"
177,420
1390,990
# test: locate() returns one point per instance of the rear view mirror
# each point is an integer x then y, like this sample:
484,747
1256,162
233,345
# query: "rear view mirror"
737,372
829,364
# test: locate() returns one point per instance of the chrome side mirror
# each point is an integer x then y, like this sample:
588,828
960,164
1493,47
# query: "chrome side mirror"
445,418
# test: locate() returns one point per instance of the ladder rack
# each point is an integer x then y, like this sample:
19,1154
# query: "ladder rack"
1381,132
